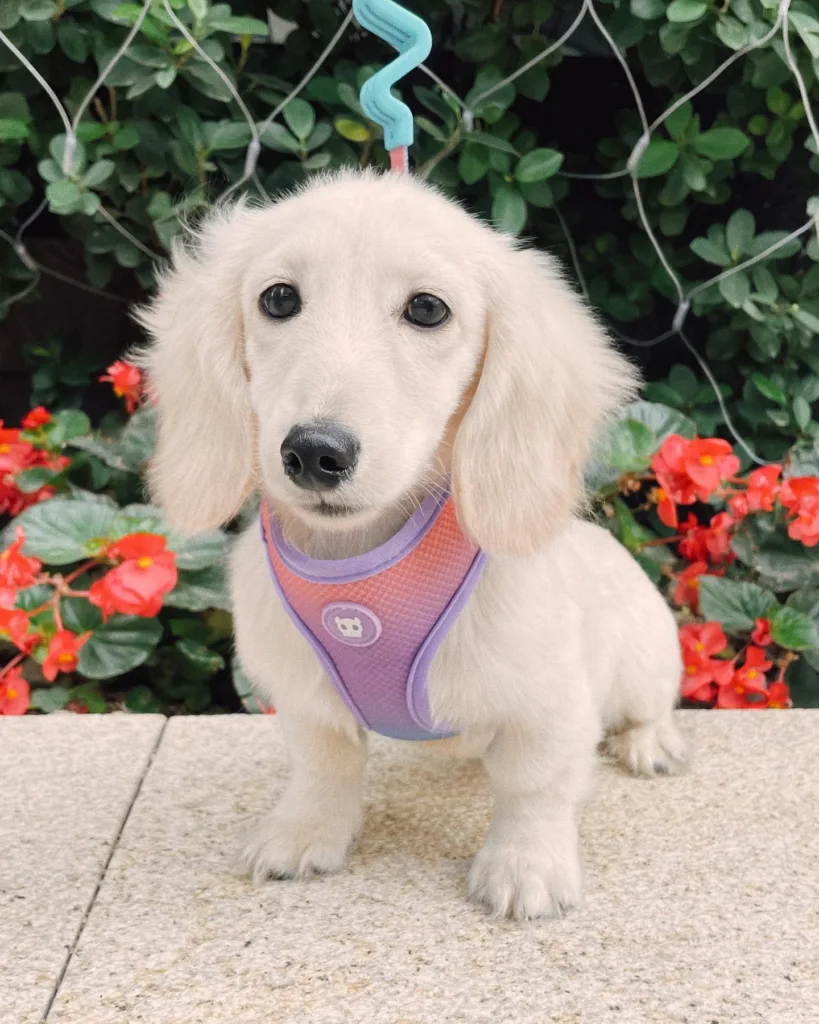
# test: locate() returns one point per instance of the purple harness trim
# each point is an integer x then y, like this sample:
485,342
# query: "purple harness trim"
376,634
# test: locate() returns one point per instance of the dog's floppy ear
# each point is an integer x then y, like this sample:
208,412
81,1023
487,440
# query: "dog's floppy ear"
202,469
549,380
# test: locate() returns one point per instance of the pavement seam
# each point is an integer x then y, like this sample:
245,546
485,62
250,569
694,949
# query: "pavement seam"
103,873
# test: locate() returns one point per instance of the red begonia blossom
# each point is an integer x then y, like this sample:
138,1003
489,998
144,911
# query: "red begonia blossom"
14,692
63,653
127,381
747,681
761,634
800,496
138,585
37,417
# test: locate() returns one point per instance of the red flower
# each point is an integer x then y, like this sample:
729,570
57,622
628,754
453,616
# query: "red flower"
127,381
761,634
702,673
779,695
36,418
14,625
687,591
16,570
707,543
738,504
763,487
687,470
14,693
709,461
746,682
676,488
137,586
63,653
800,496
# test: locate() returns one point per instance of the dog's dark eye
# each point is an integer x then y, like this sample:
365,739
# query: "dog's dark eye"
426,310
280,301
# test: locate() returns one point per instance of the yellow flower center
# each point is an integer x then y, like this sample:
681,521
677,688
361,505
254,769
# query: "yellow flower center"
693,582
11,694
752,674
66,658
145,561
691,669
774,704
739,689
118,391
4,449
706,460
700,647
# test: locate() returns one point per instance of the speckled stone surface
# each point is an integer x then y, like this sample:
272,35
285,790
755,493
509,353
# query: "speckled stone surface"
67,783
702,896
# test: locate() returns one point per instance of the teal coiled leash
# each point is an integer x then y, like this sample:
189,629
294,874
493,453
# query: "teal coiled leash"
413,40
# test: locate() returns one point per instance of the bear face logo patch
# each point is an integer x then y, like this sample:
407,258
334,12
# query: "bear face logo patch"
351,624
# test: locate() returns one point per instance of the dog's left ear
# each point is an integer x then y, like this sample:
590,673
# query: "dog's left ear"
549,380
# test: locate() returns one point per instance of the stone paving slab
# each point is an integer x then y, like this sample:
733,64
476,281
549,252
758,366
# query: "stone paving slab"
67,784
702,896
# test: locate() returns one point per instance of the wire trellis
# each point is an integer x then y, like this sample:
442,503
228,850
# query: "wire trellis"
588,8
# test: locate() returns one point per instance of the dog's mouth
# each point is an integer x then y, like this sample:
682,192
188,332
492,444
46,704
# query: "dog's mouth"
330,510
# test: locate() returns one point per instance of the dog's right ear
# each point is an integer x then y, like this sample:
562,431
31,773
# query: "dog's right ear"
202,469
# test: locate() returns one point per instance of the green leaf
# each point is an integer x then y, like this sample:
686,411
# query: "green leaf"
806,319
118,646
634,536
227,135
67,425
765,386
30,598
631,446
787,566
200,590
739,231
31,480
735,288
98,173
683,11
735,604
732,33
648,9
677,121
52,698
492,142
63,196
239,26
722,143
141,700
299,117
794,630
509,212
538,165
353,131
662,420
205,550
801,412
12,130
711,252
37,10
473,163
202,657
61,530
659,157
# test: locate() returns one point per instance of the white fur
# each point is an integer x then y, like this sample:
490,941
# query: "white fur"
564,641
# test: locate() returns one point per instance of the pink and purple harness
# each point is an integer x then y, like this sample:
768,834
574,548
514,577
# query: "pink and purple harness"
375,621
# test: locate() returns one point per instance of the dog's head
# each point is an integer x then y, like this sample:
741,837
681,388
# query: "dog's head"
363,340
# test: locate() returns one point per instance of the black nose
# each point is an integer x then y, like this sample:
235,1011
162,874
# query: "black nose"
319,456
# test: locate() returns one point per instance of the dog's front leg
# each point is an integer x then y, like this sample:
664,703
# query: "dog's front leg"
529,864
319,814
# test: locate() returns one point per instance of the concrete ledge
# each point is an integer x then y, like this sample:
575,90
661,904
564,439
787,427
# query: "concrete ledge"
68,782
702,896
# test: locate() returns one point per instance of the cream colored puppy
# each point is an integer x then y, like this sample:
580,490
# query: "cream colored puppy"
497,379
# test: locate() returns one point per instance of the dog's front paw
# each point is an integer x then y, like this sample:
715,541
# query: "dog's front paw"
284,845
526,879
